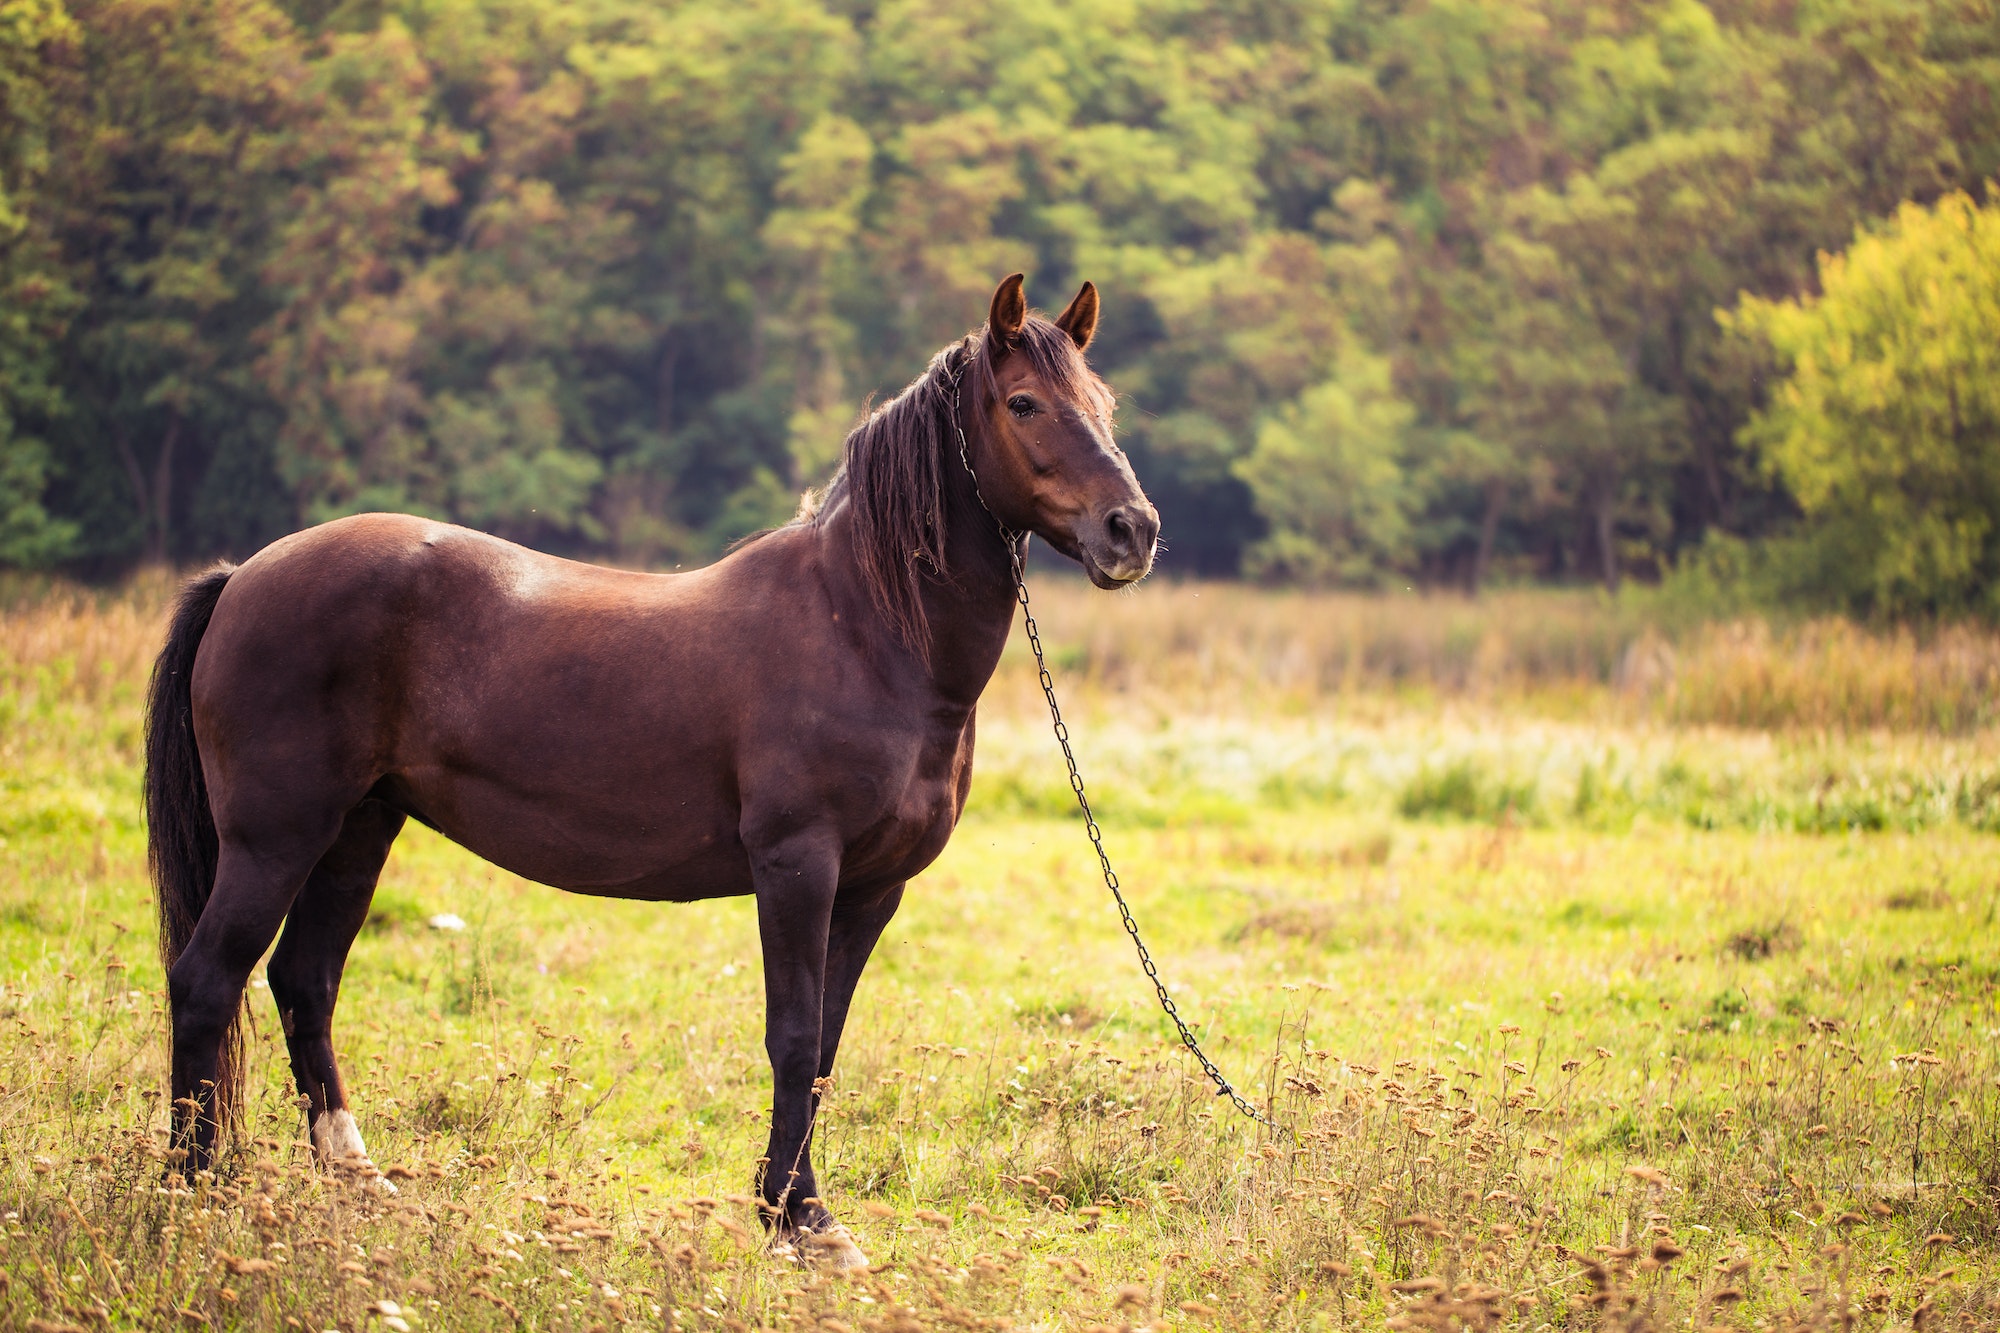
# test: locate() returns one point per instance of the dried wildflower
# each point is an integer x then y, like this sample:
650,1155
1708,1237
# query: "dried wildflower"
245,1267
876,1208
390,1314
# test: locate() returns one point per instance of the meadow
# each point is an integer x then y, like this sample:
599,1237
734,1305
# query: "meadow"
1604,967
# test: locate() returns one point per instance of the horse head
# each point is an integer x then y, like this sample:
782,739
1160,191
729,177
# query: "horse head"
1042,447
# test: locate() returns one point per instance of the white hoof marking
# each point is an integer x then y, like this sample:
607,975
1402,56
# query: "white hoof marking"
337,1140
833,1248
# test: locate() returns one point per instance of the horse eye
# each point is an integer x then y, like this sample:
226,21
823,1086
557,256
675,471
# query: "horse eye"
1021,405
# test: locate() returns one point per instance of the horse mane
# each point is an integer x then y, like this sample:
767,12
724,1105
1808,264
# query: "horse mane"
895,463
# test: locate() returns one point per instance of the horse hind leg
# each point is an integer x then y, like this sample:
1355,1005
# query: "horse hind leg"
305,973
254,888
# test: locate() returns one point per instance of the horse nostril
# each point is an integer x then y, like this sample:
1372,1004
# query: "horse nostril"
1120,528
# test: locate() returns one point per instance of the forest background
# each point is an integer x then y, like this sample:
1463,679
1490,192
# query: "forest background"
1423,291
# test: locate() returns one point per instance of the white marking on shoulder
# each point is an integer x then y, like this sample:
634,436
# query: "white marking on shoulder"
526,579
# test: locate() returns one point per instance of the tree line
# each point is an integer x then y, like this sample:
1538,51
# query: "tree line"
1394,289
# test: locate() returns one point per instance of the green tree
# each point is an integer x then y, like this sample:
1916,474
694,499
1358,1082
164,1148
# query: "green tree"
1327,473
812,237
163,119
33,296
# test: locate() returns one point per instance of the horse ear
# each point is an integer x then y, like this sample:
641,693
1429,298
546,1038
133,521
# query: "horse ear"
1080,320
1009,309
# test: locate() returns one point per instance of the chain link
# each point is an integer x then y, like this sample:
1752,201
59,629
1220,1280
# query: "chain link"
1016,546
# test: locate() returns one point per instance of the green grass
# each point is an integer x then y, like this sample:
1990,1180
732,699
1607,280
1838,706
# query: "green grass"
1537,991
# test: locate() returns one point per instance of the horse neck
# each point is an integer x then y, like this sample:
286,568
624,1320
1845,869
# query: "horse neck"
972,610
969,611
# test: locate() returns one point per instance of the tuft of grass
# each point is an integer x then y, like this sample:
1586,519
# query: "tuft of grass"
1463,789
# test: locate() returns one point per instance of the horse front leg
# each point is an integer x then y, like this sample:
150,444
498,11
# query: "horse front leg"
851,939
796,881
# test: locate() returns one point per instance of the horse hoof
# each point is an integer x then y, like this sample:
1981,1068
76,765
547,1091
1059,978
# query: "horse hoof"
833,1249
337,1140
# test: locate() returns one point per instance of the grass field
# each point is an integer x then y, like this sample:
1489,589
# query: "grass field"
1581,1008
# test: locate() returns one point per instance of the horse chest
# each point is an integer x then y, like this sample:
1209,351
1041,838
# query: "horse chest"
915,821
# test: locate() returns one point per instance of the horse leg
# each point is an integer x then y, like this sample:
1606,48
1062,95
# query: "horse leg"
795,883
254,888
852,936
852,930
305,974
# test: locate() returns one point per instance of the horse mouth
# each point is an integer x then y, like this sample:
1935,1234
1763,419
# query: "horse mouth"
1121,575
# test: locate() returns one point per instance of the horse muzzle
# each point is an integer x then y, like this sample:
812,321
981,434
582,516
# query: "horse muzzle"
1120,548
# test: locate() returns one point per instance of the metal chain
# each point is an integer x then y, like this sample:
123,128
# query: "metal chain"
1016,546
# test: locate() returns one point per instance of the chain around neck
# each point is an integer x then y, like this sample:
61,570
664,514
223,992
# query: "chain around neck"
1016,545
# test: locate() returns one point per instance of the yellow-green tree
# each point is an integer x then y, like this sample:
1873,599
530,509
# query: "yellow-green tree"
1886,427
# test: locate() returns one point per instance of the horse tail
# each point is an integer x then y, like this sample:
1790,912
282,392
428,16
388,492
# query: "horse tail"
181,845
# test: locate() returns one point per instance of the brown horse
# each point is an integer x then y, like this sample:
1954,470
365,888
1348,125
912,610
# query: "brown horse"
794,722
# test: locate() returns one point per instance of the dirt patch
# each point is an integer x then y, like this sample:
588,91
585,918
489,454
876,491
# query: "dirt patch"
1759,942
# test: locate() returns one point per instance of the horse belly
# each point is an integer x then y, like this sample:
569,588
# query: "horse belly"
586,756
671,850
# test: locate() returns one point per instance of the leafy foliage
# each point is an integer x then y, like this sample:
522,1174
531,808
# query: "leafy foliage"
1422,291
1887,427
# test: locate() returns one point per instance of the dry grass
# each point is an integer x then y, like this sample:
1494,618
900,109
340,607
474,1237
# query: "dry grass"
1829,675
1215,645
1575,1070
